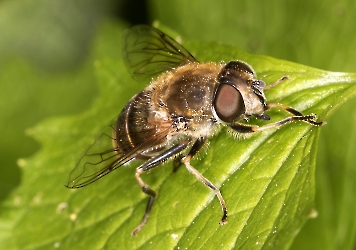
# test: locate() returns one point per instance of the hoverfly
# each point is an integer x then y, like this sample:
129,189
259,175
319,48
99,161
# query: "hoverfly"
186,103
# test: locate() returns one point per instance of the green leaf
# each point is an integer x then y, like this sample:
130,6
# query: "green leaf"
321,36
266,179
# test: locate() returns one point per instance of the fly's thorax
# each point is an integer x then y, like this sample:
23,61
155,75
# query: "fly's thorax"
187,90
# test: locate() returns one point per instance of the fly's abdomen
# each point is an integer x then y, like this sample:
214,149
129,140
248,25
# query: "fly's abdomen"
135,130
133,127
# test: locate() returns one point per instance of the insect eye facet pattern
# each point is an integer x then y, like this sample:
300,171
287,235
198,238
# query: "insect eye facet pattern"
186,103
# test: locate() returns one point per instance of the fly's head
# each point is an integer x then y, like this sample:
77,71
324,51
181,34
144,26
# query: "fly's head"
239,94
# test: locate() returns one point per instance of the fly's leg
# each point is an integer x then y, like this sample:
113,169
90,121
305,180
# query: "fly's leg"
186,161
283,78
148,166
297,116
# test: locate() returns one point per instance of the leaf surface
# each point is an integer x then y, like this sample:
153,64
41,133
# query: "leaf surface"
266,179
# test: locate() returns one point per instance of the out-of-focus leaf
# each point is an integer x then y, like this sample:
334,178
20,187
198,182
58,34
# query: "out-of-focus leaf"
46,57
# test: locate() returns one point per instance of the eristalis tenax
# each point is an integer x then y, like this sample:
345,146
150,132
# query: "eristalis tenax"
186,103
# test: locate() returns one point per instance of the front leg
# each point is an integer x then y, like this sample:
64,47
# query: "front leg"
297,116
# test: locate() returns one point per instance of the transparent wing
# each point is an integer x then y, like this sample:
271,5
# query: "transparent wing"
102,157
148,51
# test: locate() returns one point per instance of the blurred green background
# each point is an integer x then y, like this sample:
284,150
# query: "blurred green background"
48,49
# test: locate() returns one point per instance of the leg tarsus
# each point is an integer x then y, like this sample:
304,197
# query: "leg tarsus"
145,217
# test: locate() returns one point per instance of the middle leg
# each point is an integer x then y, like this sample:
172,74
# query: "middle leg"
186,161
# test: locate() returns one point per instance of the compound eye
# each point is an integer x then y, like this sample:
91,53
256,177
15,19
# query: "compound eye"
228,103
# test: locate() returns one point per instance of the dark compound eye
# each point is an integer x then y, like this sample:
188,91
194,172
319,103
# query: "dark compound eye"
228,103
